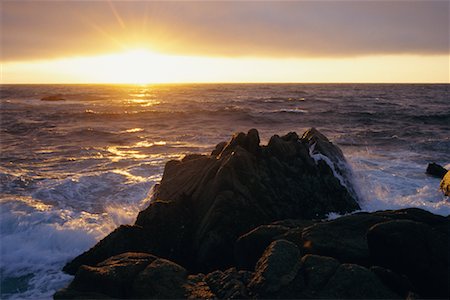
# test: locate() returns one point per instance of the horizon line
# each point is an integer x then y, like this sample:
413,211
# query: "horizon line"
205,83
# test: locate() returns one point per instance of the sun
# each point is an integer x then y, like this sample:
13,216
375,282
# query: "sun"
136,66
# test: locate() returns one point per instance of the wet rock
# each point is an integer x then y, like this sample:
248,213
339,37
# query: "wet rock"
250,246
436,170
162,279
276,268
352,281
445,184
112,277
415,250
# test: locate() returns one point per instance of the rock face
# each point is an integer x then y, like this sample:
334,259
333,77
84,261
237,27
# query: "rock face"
205,202
250,218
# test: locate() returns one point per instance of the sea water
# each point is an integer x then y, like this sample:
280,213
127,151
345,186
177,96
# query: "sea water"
73,170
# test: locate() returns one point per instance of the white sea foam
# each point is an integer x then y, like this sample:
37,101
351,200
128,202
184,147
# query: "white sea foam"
396,183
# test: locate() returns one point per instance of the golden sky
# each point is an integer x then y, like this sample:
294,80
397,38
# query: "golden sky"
232,41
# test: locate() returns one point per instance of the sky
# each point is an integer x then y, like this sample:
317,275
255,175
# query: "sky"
228,41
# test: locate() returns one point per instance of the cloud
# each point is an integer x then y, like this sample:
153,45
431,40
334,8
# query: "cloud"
41,30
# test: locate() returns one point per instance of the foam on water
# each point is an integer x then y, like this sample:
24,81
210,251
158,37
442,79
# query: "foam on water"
396,182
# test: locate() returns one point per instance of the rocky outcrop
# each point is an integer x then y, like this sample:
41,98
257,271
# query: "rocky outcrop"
248,222
380,255
205,202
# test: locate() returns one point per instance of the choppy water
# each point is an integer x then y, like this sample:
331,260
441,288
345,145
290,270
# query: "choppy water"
71,171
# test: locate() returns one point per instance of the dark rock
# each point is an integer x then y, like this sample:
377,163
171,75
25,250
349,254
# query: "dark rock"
436,170
343,238
276,268
112,277
73,294
230,284
414,214
399,284
206,202
197,288
445,184
57,97
316,271
352,281
415,250
123,239
250,246
162,279
321,148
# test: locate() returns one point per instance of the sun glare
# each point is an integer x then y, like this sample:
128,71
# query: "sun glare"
142,66
136,66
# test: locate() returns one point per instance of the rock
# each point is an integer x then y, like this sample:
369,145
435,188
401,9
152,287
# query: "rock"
112,277
322,149
436,170
445,184
197,288
399,284
316,271
162,279
123,239
250,246
276,268
352,281
343,238
57,97
415,250
205,202
230,284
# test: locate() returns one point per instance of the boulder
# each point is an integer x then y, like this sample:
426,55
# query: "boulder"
445,184
250,246
230,284
316,271
436,170
351,281
205,202
162,279
399,284
343,238
113,277
415,250
276,268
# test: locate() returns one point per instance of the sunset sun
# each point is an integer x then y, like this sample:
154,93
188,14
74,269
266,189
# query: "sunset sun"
133,66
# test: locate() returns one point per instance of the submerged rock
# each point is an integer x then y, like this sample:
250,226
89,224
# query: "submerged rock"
57,97
205,202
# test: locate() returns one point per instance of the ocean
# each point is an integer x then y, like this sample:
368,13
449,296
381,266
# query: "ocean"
73,170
